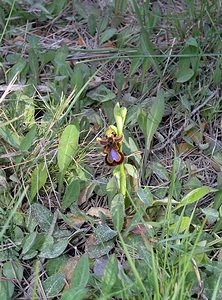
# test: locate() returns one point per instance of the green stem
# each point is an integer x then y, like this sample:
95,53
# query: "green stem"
122,179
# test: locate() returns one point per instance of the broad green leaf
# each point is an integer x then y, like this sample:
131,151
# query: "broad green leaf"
67,146
112,188
77,79
17,68
101,94
154,118
26,143
119,79
29,241
13,269
131,170
118,212
42,216
92,24
71,194
53,250
185,222
80,275
211,214
54,265
159,170
145,195
107,34
54,284
74,294
104,233
195,196
99,250
9,136
38,180
110,275
6,290
184,75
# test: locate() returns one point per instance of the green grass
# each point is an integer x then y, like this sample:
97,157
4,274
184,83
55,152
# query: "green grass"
72,227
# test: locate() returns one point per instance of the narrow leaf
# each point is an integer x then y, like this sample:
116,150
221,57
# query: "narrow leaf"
195,196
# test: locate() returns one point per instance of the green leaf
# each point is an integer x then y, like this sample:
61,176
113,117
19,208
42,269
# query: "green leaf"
54,284
110,275
99,250
17,68
53,250
131,170
195,196
184,75
101,94
80,275
38,180
159,170
71,194
6,290
9,136
119,79
112,188
13,269
67,146
26,143
74,294
145,195
118,212
147,48
211,214
104,233
184,224
92,24
29,241
107,34
154,118
42,216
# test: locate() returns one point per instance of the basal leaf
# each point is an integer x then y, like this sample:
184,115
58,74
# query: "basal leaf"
110,275
154,118
67,146
101,94
71,194
81,273
42,216
74,294
107,34
54,284
145,195
38,180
